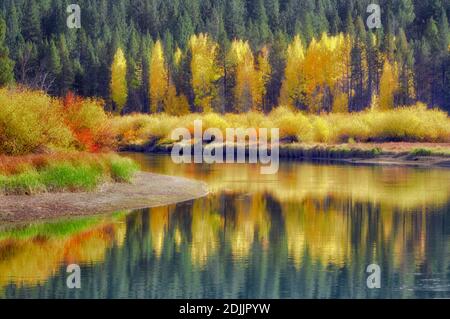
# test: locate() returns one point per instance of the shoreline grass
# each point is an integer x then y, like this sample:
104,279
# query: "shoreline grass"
69,172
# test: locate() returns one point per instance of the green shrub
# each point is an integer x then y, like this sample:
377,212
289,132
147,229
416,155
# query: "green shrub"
421,152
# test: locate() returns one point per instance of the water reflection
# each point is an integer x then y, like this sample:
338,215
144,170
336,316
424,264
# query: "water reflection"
308,232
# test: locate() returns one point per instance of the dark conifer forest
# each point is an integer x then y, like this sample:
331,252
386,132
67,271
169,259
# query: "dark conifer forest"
289,45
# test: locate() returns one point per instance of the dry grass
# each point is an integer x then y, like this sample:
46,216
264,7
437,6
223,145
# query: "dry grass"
406,124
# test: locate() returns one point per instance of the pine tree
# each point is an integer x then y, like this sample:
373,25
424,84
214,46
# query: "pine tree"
6,64
54,64
31,22
67,71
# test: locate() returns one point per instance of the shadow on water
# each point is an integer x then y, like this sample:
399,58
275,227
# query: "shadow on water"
308,232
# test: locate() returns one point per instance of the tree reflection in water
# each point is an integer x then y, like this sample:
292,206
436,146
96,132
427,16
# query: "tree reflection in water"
308,232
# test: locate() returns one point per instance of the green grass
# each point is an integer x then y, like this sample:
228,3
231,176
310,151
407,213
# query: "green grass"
421,152
69,176
123,169
25,183
428,152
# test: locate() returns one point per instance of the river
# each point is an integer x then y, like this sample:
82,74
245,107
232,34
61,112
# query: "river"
309,231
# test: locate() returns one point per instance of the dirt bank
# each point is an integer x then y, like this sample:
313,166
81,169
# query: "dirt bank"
146,190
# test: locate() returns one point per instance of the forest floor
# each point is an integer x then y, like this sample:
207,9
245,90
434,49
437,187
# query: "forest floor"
146,190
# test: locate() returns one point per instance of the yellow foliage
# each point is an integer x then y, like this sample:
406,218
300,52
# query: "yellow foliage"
291,124
159,78
205,71
178,55
175,104
412,124
30,120
119,89
250,79
321,132
317,72
388,86
293,87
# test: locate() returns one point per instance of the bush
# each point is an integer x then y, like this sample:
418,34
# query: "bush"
31,121
321,130
293,126
88,122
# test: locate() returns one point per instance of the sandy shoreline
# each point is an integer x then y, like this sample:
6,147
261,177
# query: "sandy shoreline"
146,190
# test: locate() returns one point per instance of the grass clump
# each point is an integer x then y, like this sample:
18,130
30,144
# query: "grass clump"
68,177
123,169
71,172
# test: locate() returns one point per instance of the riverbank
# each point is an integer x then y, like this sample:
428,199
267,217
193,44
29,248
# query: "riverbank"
394,153
145,190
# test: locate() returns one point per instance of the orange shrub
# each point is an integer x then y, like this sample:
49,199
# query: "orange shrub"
89,123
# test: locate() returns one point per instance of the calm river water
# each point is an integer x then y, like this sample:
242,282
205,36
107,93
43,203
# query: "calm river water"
308,232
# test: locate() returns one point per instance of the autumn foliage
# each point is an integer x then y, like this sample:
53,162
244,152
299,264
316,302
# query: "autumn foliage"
88,122
34,122
119,88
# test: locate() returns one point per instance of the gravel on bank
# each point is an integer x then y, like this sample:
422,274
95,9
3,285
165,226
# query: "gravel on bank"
146,190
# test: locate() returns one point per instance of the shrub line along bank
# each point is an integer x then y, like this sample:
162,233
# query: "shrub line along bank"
300,151
326,136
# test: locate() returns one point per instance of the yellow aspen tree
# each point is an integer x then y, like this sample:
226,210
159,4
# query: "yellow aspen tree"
119,89
324,72
294,84
159,78
262,78
204,70
317,71
341,92
388,86
177,56
175,104
250,79
245,67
